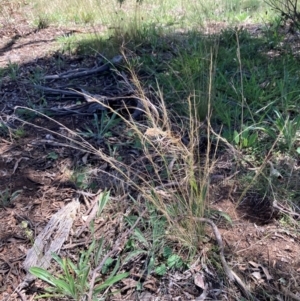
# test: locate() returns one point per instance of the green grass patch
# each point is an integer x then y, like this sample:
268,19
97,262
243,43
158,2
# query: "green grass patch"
169,14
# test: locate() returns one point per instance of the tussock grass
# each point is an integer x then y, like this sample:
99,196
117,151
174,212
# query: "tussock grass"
171,174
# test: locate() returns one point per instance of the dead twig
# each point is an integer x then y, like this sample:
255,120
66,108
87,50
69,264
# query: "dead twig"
116,60
285,210
56,91
228,271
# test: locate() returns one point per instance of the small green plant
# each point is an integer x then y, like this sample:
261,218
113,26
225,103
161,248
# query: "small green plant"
73,282
169,261
101,128
4,130
147,241
7,197
52,156
25,113
84,17
273,35
289,129
247,138
13,70
20,132
36,76
28,232
80,178
42,22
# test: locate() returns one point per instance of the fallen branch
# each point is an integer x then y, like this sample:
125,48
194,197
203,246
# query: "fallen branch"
282,209
69,75
95,102
84,109
57,91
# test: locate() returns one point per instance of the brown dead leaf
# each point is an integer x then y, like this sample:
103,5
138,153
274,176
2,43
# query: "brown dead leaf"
257,268
199,280
129,283
256,275
146,296
151,285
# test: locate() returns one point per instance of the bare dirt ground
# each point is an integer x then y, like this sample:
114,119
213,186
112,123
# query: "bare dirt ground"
265,255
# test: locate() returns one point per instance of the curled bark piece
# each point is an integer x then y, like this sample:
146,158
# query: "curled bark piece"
49,241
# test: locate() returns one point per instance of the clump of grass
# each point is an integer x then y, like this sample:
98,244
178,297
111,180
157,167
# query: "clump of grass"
167,14
42,22
82,12
170,174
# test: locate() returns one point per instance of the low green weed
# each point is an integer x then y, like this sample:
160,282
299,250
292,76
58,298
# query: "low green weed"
13,133
19,133
73,282
151,243
80,178
26,114
41,22
247,138
102,128
13,70
169,261
52,156
37,75
288,128
27,231
7,197
4,130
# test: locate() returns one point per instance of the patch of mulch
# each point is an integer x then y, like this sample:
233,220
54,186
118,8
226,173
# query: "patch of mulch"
266,254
